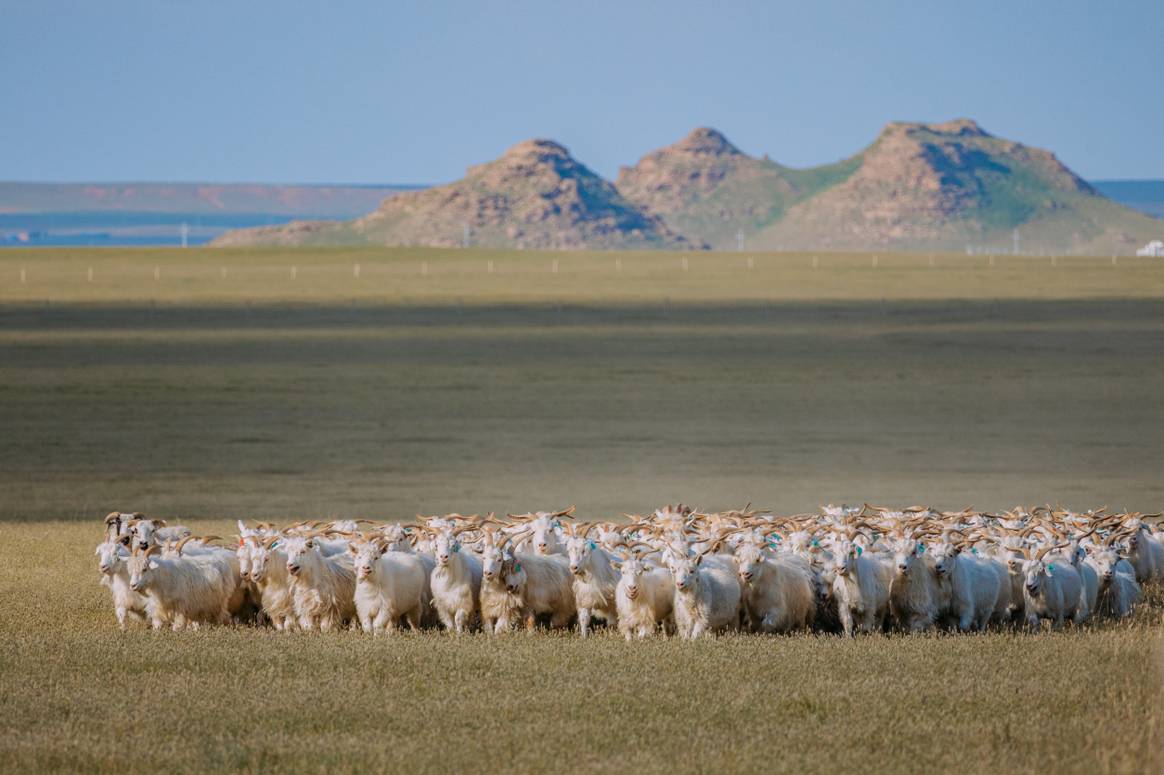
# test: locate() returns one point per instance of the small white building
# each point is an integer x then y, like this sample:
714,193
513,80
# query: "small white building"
1154,249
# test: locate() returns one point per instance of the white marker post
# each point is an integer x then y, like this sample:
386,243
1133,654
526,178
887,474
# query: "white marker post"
424,267
356,271
490,266
751,263
294,272
684,263
23,275
90,274
554,266
157,273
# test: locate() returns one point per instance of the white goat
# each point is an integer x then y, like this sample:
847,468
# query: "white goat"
113,561
973,584
389,586
777,591
707,596
1051,590
861,587
455,580
268,572
914,597
323,588
151,532
644,597
184,591
595,579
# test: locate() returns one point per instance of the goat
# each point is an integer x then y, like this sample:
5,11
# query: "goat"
389,586
184,591
861,586
777,592
644,598
595,580
113,562
914,598
323,588
707,598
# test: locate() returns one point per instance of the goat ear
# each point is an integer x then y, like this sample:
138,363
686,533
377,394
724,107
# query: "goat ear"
353,550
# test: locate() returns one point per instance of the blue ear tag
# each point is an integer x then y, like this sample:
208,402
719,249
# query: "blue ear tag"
592,546
921,548
859,550
275,545
815,542
517,568
456,547
1051,568
973,550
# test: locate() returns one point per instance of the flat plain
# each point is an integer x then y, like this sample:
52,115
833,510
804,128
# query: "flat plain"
205,385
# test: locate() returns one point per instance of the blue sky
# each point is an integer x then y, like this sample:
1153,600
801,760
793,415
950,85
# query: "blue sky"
347,91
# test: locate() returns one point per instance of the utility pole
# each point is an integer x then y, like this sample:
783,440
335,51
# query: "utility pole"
185,234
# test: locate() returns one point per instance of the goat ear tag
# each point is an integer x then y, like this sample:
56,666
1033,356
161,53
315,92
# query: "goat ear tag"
815,542
859,551
457,548
592,546
1051,568
921,548
517,568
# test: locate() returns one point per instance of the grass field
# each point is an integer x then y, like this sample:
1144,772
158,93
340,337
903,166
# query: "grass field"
619,382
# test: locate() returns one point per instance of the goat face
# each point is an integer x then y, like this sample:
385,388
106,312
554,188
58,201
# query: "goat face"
1035,572
631,571
445,545
845,555
578,550
109,556
685,571
243,552
298,551
906,553
544,535
141,567
364,556
492,560
1105,562
143,532
748,559
258,561
945,555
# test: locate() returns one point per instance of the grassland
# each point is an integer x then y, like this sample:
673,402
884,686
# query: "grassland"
613,386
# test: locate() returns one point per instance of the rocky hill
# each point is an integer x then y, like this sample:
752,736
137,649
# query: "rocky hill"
535,196
950,186
945,186
710,191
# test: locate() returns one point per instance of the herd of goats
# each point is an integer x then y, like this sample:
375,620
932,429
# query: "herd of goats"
677,571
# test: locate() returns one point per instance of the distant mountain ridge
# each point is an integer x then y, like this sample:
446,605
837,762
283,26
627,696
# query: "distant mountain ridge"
534,196
942,186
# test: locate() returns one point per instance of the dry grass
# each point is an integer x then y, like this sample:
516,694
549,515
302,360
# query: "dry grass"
261,396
